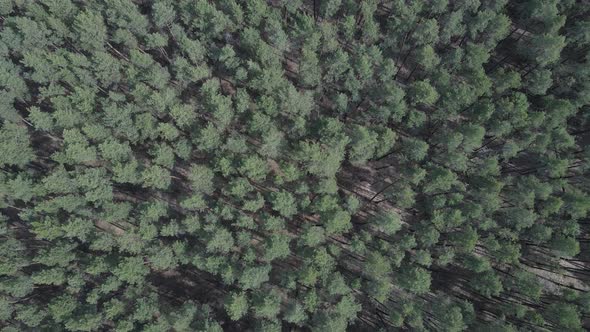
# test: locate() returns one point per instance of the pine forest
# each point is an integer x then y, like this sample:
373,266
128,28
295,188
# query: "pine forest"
294,165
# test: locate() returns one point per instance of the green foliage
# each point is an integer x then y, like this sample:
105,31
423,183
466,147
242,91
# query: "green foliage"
201,179
388,222
91,30
487,283
363,145
450,317
415,279
284,203
295,314
253,277
545,49
156,177
278,247
564,315
337,222
132,270
414,149
237,305
16,149
305,161
254,168
266,305
377,265
313,236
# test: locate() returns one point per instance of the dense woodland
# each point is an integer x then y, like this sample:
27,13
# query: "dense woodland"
294,165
